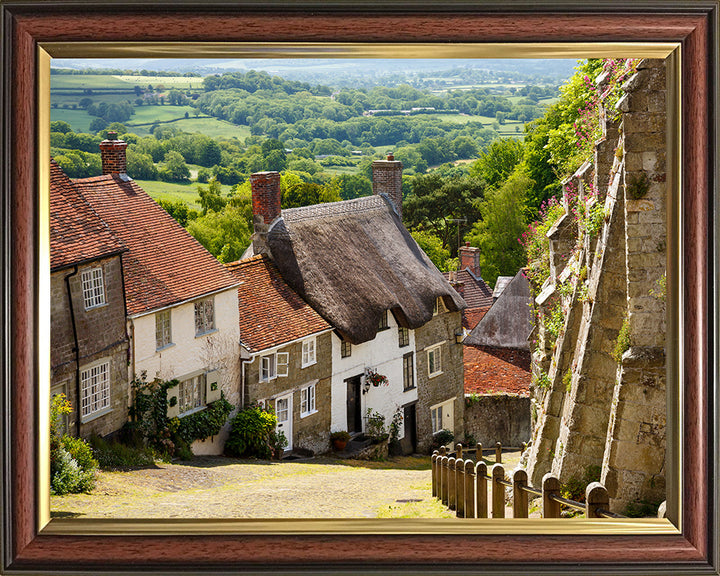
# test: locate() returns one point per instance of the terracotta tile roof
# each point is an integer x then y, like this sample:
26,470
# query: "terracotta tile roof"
77,233
164,265
491,370
476,293
271,313
472,316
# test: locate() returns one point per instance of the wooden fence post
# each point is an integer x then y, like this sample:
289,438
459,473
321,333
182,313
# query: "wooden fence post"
498,492
443,451
481,493
443,480
498,453
478,452
458,450
433,473
451,483
596,497
459,488
520,497
550,487
470,489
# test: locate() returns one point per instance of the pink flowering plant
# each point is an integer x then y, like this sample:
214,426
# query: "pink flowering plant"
536,243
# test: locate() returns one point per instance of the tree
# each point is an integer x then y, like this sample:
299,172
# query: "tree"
498,161
140,165
60,126
354,186
224,234
432,246
174,168
502,223
308,193
436,203
178,210
211,198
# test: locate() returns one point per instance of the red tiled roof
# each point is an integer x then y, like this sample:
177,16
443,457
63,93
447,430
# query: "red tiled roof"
77,233
492,370
472,316
164,265
476,293
271,313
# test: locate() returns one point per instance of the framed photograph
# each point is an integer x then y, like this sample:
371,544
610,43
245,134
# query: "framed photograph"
684,32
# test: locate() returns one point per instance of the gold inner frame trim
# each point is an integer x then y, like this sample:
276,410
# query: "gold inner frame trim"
279,527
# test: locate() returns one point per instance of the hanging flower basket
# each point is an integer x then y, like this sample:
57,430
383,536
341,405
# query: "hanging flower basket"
372,377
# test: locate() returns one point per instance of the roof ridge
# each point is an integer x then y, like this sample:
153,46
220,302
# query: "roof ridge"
352,206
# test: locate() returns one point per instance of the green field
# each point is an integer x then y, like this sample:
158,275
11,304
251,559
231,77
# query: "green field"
150,114
170,191
169,82
78,119
86,81
205,125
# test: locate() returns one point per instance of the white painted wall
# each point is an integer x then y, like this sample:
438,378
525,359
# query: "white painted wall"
218,350
383,355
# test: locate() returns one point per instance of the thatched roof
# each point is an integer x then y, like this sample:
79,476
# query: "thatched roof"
509,322
352,260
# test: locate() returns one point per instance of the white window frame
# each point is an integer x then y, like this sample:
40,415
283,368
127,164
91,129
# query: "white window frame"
436,418
307,401
200,316
435,352
191,394
309,352
95,390
273,366
93,287
161,331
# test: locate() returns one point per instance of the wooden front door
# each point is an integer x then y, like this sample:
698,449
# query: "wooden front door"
410,422
354,417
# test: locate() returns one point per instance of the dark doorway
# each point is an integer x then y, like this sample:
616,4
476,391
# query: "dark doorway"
409,442
354,419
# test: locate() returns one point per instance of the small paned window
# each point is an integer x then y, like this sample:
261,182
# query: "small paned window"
94,389
307,400
204,316
274,365
191,394
434,359
437,419
345,349
308,352
403,336
163,330
383,325
408,372
93,288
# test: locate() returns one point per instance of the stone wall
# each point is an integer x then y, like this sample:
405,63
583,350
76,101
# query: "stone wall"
449,384
102,337
594,408
311,432
503,418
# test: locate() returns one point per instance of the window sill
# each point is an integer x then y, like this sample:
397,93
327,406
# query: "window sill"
97,306
304,414
95,415
435,374
206,333
193,411
410,388
165,347
403,345
308,365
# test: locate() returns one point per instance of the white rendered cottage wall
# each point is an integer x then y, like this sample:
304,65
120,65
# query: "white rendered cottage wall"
189,354
384,355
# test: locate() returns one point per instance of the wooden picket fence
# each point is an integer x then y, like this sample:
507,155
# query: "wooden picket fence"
462,485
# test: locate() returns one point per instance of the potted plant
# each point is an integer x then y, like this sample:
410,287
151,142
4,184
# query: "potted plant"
339,440
374,378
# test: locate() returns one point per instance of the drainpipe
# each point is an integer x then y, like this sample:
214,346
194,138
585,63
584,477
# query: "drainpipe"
76,349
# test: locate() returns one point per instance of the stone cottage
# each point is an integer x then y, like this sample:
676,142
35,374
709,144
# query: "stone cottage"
182,305
286,354
392,311
497,368
89,343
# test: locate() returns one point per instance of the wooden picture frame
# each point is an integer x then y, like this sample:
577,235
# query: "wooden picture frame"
31,546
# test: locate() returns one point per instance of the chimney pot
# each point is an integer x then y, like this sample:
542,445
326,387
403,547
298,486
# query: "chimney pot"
266,196
112,154
387,179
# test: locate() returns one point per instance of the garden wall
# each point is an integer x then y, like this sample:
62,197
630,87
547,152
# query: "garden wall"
503,418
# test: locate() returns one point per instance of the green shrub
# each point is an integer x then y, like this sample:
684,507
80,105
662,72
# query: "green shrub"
115,455
622,343
442,438
567,380
375,426
66,475
80,452
250,433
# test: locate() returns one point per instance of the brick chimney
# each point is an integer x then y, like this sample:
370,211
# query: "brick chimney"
455,283
266,207
112,152
387,179
470,259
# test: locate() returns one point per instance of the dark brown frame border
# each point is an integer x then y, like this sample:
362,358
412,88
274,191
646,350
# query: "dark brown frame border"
694,24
